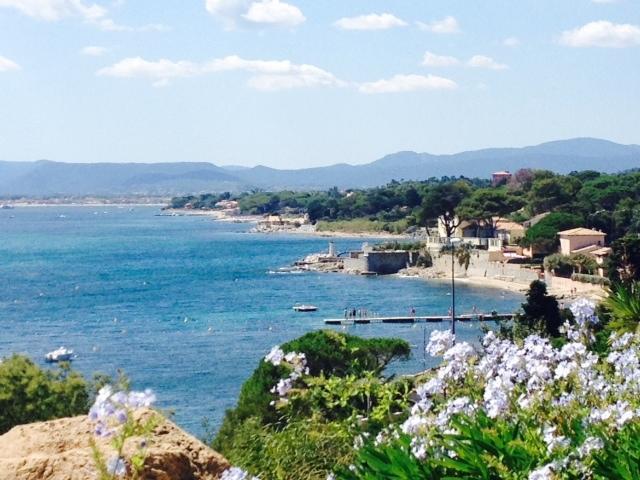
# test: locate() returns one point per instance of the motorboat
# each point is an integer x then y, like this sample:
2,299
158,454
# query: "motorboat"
61,354
305,308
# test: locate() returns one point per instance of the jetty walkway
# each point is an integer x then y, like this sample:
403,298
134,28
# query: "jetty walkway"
420,319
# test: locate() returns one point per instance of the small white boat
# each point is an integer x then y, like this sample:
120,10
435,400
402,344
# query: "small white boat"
61,354
305,308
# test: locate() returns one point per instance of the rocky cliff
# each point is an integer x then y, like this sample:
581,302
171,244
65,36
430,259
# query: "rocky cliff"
59,450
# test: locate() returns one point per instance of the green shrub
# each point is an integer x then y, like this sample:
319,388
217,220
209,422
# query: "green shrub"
328,354
559,264
303,450
592,279
31,394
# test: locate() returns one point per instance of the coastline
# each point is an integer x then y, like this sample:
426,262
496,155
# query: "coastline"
562,292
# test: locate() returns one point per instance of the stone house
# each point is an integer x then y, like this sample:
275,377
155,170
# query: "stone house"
581,240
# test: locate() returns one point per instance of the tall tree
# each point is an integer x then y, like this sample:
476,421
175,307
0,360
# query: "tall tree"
624,261
487,205
440,202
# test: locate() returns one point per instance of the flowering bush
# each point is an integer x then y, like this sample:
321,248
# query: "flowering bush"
300,411
518,410
114,414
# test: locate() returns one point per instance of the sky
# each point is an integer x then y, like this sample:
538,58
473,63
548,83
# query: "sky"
301,83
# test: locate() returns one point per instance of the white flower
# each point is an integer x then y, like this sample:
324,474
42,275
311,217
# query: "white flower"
620,342
235,473
439,342
591,444
542,473
584,311
554,442
275,356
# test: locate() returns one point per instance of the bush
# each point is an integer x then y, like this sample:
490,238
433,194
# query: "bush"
517,410
31,394
592,279
543,236
540,313
559,264
328,354
305,449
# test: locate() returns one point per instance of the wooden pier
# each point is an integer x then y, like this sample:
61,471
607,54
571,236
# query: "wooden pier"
420,319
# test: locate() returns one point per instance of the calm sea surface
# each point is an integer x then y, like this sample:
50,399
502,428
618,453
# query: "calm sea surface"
185,305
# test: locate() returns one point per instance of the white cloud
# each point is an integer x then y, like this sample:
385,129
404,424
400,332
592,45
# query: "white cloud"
602,34
274,12
94,51
478,61
266,74
408,83
433,60
511,42
372,21
7,65
262,12
55,10
482,61
446,25
109,25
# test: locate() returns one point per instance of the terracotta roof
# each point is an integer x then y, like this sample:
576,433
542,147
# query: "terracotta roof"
576,232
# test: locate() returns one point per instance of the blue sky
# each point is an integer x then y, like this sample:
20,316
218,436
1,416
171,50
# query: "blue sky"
301,83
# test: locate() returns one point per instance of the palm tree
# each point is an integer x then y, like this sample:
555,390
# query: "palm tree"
462,253
623,303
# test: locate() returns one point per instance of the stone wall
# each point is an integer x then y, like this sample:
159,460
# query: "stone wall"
481,266
382,263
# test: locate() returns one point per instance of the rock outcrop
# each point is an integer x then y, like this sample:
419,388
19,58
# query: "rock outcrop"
60,450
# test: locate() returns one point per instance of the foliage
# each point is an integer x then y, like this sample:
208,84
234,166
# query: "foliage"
396,245
540,313
303,449
328,354
592,279
486,205
610,203
363,225
623,304
441,201
116,415
517,410
30,394
200,202
559,264
624,261
462,253
543,236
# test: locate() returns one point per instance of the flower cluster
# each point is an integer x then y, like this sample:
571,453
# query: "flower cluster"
112,409
297,362
235,473
112,413
552,388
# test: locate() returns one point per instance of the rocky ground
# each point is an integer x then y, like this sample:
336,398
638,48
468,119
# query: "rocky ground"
59,450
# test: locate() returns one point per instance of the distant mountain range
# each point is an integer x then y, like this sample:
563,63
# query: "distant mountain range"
48,178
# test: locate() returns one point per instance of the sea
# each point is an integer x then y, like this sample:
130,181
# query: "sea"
188,306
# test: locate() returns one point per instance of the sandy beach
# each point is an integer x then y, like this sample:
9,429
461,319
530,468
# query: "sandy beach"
562,290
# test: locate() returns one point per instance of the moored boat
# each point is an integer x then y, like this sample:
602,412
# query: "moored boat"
61,354
305,308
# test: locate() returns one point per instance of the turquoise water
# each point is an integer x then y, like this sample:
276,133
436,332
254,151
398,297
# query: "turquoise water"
185,305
